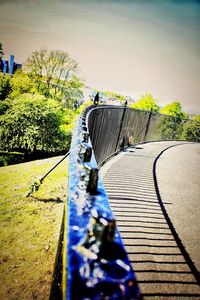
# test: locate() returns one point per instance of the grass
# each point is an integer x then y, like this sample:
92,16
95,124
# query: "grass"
29,228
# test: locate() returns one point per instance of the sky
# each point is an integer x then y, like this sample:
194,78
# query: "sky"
126,46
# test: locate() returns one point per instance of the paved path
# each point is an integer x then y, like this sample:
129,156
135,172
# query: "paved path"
156,202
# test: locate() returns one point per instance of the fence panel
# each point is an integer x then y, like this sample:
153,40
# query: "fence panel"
112,128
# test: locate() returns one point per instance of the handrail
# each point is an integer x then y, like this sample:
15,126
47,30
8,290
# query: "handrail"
95,263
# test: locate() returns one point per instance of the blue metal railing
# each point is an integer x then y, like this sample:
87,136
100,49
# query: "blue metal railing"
95,264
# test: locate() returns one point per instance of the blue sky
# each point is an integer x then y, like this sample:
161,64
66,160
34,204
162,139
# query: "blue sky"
130,47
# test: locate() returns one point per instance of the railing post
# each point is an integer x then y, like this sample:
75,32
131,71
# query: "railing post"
121,124
147,126
96,99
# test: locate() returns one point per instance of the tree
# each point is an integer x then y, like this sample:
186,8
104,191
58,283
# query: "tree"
31,124
174,109
191,130
171,125
146,102
51,71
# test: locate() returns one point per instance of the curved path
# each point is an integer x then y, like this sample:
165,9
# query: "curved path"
155,195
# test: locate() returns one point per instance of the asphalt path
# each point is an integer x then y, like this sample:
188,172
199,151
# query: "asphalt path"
178,175
154,193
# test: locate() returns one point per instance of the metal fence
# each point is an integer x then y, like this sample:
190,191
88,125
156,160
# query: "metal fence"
113,128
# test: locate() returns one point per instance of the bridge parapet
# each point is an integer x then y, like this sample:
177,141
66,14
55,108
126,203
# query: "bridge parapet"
95,264
112,128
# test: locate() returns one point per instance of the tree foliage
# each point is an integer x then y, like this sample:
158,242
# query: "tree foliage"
53,72
37,111
191,131
170,129
21,83
32,123
174,109
172,123
146,102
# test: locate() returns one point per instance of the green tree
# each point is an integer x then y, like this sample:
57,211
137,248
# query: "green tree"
51,71
171,125
5,86
174,109
32,123
146,102
191,130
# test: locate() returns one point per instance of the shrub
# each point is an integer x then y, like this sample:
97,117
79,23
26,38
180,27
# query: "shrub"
31,124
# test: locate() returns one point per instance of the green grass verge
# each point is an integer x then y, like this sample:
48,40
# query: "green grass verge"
29,228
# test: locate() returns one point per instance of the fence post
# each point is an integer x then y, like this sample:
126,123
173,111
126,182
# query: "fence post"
121,125
147,126
92,133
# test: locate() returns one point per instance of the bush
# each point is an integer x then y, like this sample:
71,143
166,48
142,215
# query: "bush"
32,124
